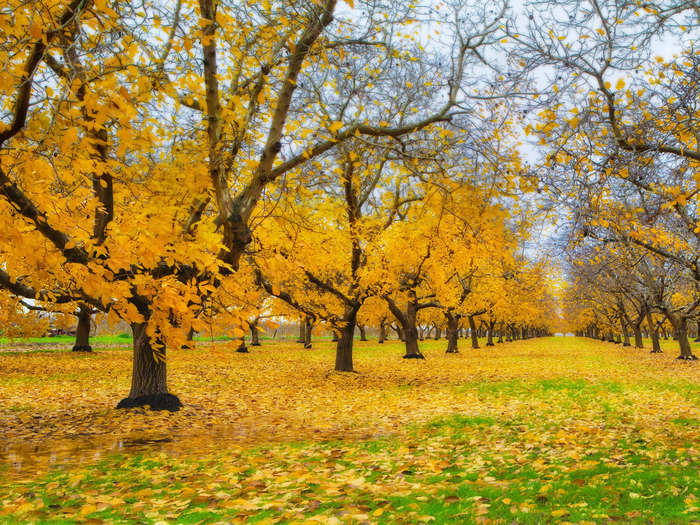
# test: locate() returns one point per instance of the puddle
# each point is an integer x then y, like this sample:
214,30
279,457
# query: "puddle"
26,459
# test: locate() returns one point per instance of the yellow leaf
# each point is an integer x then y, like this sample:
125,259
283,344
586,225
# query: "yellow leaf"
35,30
336,126
620,84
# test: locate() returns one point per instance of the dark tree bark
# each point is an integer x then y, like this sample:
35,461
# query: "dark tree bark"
489,333
472,330
410,331
334,336
653,334
437,333
242,348
638,340
82,332
308,325
363,333
149,385
407,320
452,332
625,333
343,349
680,327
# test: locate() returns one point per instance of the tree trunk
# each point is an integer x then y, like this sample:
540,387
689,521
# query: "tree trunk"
254,334
363,334
343,349
625,333
189,344
242,348
452,333
680,327
410,333
437,333
334,336
82,332
148,378
308,325
489,333
638,340
399,332
472,330
382,331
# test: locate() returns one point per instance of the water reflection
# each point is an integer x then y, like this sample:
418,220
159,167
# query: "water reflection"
24,458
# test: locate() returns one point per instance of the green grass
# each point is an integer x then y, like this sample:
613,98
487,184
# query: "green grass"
626,482
590,447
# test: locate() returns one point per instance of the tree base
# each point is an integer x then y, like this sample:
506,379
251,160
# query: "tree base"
307,346
626,344
451,351
656,352
168,402
414,356
242,350
255,344
82,348
490,344
690,357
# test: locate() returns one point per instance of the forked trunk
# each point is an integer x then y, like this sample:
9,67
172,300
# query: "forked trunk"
472,330
148,378
82,332
452,333
343,349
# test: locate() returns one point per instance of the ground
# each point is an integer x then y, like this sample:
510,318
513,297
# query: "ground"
547,430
